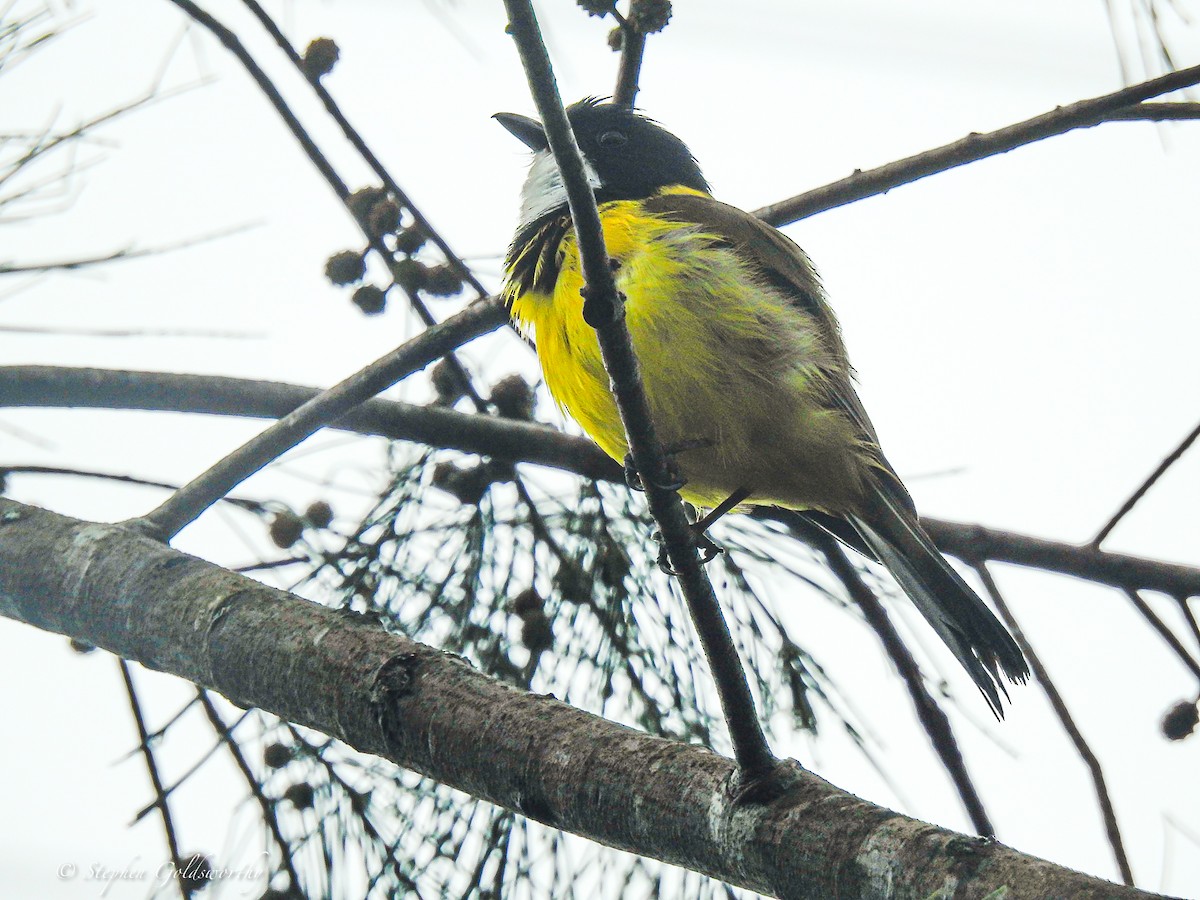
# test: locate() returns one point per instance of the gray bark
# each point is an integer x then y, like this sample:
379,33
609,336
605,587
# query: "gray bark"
432,713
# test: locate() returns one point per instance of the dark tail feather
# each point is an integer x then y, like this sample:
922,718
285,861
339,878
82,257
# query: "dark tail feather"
981,643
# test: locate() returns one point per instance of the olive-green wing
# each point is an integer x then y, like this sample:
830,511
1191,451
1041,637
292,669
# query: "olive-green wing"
781,264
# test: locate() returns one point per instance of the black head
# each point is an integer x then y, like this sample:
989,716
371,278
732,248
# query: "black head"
631,156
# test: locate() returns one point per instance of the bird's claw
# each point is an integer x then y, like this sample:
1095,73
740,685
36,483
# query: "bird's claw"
672,482
672,479
632,478
705,547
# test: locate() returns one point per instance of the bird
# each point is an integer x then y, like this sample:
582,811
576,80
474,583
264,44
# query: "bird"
742,359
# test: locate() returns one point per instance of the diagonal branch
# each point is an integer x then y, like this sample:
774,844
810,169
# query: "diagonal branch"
1164,632
1170,460
360,146
1111,828
931,716
156,782
184,506
603,309
233,44
1119,105
384,694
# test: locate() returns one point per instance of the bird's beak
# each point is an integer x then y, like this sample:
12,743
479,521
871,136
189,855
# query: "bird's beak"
526,130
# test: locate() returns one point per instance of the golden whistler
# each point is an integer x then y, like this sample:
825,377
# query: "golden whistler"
741,356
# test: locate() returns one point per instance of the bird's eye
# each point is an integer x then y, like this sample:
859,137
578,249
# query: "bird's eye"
611,139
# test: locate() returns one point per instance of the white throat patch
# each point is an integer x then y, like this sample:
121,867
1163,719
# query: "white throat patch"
543,189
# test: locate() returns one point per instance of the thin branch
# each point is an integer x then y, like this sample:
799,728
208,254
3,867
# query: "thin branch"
1084,114
931,716
1190,618
1173,111
21,469
224,733
128,333
504,439
1111,828
633,47
1164,632
1145,486
523,442
198,495
233,44
603,309
360,145
126,253
974,542
152,767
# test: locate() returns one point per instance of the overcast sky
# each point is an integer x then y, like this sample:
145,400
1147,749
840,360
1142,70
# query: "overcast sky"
1024,330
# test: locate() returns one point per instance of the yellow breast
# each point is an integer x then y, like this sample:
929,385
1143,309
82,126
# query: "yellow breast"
724,360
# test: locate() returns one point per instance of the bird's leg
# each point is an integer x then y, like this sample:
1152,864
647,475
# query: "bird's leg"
674,480
706,546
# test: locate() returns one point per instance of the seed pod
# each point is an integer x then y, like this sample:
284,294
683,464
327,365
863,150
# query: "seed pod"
346,267
320,56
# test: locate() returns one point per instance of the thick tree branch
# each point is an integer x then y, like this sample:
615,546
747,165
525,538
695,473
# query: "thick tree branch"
511,441
431,712
1119,105
604,310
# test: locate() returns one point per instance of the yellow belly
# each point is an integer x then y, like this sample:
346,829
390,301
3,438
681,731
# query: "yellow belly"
724,359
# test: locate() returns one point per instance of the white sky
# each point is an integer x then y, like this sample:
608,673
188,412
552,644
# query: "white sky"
1027,322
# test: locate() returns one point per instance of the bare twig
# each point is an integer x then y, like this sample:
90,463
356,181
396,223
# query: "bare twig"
190,501
126,253
1173,111
974,147
21,469
604,311
224,733
1190,618
931,716
234,45
975,542
152,768
360,145
1111,828
633,47
1164,632
1145,486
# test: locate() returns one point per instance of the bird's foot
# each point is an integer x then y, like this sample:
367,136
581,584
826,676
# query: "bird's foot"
673,480
705,546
